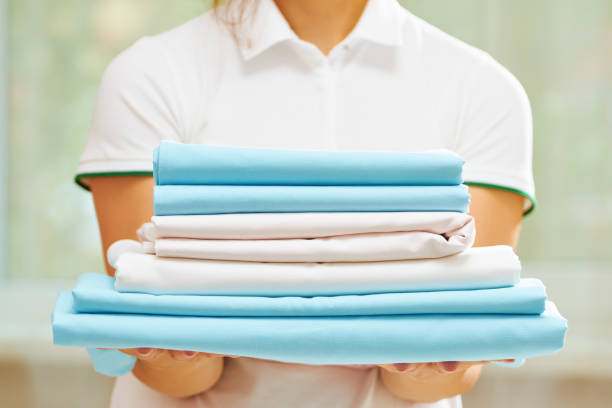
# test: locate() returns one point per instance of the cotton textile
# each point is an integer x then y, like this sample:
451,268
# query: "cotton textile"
387,246
176,163
321,340
476,268
304,225
192,200
360,247
94,293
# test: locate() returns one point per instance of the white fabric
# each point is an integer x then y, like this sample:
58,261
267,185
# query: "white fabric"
324,237
390,246
120,247
302,225
483,267
395,83
251,383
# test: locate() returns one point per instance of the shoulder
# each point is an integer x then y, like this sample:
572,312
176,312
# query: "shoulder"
491,124
449,57
174,52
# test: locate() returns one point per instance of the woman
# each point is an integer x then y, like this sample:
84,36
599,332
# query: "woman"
322,74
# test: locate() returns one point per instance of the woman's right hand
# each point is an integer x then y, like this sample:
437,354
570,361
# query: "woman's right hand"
176,373
167,357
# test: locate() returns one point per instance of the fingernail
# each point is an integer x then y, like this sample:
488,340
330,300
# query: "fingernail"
189,354
449,366
401,367
143,351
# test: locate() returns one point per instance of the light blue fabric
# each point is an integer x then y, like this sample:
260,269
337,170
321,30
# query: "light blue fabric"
321,340
175,163
111,362
185,200
94,293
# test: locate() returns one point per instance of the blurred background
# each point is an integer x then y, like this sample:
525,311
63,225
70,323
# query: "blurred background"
53,53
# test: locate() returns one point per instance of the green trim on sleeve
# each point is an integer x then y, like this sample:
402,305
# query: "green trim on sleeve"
78,177
513,190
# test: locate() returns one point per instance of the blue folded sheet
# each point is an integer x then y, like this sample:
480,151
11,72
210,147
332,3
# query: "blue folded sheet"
186,200
175,163
94,293
321,340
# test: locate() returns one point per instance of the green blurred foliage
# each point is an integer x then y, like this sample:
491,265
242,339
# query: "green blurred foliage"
561,51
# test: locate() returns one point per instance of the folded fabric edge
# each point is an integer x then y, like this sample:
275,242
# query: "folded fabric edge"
101,287
63,307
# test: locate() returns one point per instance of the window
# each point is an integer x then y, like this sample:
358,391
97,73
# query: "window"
57,51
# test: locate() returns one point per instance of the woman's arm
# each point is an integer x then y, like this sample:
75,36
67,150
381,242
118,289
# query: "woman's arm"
498,216
123,204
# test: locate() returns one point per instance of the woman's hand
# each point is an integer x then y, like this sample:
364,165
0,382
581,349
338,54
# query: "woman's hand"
426,370
430,382
163,357
176,373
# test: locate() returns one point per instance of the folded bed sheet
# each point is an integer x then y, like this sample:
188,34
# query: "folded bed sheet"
94,293
303,225
321,340
375,246
175,163
476,268
223,199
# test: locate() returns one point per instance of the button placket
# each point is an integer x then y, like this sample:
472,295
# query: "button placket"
327,106
330,87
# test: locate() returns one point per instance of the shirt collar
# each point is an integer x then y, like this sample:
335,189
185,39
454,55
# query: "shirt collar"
381,22
264,29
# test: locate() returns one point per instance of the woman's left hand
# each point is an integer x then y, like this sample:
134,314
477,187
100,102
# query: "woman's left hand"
430,382
425,370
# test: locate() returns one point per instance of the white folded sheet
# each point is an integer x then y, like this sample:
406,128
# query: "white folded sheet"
375,246
302,225
475,268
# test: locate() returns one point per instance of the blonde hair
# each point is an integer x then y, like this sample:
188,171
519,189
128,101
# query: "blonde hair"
236,12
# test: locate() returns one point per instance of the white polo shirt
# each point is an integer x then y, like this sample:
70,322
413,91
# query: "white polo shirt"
394,84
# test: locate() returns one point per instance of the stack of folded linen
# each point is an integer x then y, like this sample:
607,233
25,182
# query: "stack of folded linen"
312,257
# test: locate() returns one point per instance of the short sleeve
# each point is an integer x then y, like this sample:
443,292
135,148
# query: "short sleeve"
495,136
134,111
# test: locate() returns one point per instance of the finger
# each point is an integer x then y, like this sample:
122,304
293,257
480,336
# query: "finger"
388,367
449,367
401,367
185,355
142,353
212,355
508,361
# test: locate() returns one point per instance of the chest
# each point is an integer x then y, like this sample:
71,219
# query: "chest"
360,102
